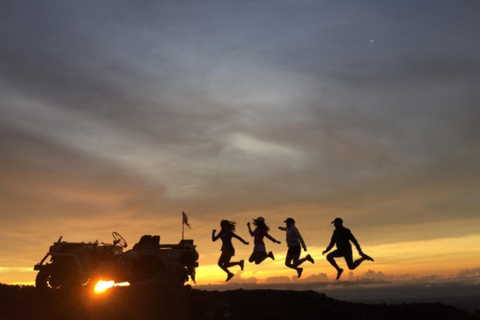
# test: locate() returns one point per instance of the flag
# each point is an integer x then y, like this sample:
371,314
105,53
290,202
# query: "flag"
185,219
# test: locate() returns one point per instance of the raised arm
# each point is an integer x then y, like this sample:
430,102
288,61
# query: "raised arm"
271,238
215,237
239,238
249,229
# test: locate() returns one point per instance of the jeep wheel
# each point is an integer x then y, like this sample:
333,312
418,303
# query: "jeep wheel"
51,278
48,278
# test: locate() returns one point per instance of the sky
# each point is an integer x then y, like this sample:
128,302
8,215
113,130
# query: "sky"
118,116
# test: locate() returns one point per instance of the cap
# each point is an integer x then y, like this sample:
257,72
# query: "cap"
289,220
337,220
262,219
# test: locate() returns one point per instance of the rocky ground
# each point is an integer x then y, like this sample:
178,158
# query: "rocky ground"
150,302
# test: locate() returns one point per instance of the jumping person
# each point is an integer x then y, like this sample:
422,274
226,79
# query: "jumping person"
259,251
342,237
228,251
294,240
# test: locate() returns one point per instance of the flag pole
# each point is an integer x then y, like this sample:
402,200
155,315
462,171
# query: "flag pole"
184,222
183,226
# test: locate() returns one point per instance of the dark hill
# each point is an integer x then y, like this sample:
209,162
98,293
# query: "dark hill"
149,302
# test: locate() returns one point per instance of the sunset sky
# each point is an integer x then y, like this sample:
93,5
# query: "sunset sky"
119,115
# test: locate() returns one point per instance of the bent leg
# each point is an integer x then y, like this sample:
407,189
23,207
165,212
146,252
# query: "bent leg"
293,255
223,262
236,263
252,257
352,265
300,261
296,261
288,261
331,258
307,258
260,257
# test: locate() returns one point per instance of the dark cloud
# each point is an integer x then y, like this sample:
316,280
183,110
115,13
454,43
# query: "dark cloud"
469,273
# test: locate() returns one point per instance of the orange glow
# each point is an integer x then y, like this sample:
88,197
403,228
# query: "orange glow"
103,286
440,257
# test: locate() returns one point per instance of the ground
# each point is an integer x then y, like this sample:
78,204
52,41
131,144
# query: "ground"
151,302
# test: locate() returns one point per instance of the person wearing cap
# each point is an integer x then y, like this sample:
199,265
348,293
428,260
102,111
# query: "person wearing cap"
228,251
294,240
259,251
341,238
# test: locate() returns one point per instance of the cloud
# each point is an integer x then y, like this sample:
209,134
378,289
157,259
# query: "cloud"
320,277
237,279
371,274
475,272
279,279
8,270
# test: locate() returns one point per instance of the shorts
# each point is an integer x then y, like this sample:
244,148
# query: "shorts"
294,250
227,253
342,253
257,255
259,248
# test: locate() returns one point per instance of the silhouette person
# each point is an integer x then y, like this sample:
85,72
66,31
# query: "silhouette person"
342,237
228,251
294,240
259,251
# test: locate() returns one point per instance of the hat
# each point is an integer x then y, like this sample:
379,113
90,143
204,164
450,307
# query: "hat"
262,219
289,220
337,220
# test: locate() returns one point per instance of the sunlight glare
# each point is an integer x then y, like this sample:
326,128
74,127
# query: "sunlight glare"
103,286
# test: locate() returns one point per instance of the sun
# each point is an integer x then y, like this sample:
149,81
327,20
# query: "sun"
103,286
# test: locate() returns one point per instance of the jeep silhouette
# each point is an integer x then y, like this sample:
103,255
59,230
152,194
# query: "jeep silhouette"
74,265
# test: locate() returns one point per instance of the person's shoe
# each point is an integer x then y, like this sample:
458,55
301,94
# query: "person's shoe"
309,258
339,273
299,271
242,264
367,257
270,255
230,276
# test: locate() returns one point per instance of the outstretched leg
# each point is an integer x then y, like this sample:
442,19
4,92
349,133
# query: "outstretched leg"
292,260
236,263
352,265
307,258
224,263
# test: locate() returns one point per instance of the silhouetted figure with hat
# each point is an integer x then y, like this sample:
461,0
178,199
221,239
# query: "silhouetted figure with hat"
259,250
342,237
294,240
228,251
